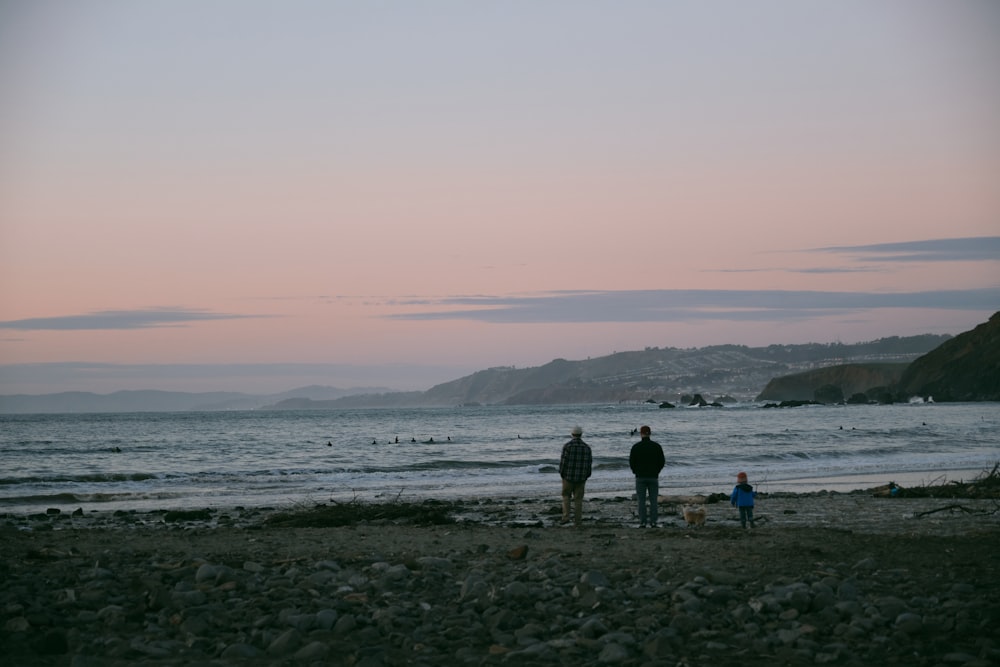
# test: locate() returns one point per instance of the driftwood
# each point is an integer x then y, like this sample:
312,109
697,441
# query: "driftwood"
885,491
986,486
962,508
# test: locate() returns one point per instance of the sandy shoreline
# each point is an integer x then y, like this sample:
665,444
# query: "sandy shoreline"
857,510
824,578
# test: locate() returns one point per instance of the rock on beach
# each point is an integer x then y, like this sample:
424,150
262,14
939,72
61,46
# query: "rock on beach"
506,585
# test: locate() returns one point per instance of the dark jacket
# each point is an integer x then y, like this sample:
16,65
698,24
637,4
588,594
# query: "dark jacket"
646,458
742,495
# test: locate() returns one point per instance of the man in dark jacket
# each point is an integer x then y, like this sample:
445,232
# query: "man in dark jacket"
646,461
575,466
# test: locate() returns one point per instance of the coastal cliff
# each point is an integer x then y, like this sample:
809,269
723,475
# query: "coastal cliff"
965,368
849,380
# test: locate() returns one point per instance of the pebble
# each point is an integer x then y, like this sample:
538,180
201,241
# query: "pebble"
453,610
479,606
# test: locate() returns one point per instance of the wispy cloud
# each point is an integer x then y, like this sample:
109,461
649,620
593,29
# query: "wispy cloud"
971,249
245,378
817,269
826,270
688,305
120,319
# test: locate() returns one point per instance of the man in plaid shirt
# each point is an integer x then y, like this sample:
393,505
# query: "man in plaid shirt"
574,468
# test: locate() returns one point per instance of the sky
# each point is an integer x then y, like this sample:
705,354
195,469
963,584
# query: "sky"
248,195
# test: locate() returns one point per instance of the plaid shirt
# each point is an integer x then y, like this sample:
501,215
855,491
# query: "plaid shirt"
576,461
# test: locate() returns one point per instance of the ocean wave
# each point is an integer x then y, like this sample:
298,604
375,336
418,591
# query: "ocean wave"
208,458
87,478
65,498
50,498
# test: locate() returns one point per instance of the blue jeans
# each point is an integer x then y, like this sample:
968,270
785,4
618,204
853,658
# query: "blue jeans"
647,486
746,514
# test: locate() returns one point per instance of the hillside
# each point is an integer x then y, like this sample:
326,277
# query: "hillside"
666,374
846,380
965,368
653,374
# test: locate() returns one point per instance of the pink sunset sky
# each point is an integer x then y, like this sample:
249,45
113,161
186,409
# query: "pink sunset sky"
254,195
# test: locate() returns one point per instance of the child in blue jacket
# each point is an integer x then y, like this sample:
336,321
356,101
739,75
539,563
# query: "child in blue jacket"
742,498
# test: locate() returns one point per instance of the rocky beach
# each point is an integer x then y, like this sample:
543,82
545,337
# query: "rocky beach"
824,578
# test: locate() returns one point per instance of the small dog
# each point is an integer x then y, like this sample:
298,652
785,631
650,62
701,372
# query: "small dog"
694,516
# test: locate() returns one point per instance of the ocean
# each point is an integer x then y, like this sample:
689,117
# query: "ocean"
195,460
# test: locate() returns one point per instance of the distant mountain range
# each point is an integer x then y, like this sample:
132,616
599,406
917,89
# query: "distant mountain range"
163,401
657,374
966,367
